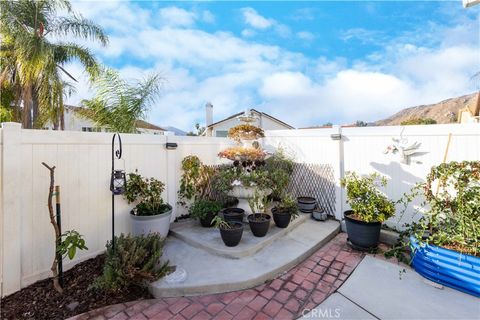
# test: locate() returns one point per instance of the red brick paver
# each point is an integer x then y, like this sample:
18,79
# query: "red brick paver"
303,287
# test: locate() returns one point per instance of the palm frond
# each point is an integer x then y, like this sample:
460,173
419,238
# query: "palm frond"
82,28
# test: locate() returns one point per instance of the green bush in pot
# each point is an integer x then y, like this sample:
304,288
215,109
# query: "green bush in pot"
285,211
205,210
151,213
370,207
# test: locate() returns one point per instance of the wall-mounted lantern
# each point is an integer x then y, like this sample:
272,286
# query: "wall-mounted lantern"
171,145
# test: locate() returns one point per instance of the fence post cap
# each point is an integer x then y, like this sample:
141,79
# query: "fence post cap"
11,125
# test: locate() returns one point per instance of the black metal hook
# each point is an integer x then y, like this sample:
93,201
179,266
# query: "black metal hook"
116,153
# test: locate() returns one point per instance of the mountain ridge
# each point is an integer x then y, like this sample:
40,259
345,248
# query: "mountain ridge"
445,111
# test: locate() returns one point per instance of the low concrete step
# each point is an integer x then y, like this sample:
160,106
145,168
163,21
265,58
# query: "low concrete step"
209,238
209,273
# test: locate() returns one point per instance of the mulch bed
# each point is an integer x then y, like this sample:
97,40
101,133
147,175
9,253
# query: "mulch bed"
41,301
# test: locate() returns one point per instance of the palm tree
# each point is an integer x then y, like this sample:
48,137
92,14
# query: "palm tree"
32,61
118,103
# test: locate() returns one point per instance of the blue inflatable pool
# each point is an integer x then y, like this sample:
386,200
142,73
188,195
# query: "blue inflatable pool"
447,267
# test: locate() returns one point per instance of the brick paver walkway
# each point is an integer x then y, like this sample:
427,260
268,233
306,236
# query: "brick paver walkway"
303,287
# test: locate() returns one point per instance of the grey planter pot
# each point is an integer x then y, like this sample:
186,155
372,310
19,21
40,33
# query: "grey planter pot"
159,223
362,235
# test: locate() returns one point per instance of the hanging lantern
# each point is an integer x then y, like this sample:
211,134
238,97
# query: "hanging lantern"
118,182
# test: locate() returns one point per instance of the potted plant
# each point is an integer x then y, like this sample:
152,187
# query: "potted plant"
306,204
445,242
233,214
150,214
205,210
370,207
285,211
230,231
259,221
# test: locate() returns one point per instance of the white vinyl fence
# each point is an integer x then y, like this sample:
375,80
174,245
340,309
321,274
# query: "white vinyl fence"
82,163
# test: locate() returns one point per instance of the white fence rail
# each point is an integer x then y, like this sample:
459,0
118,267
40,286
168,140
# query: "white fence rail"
82,163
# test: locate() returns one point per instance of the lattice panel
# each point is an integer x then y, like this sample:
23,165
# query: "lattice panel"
314,180
311,180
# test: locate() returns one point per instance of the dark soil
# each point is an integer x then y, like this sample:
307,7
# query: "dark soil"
41,301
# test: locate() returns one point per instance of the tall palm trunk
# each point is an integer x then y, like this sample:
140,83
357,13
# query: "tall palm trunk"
35,110
27,108
62,117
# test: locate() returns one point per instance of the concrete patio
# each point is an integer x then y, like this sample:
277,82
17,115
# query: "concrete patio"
214,268
335,282
380,289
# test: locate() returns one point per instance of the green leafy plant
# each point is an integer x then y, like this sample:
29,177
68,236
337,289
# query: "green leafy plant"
147,194
288,204
133,262
202,207
368,203
195,179
120,103
280,168
450,210
220,223
70,241
259,202
39,40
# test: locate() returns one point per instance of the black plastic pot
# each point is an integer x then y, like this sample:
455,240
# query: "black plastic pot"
206,221
231,237
281,219
362,235
233,214
259,223
306,204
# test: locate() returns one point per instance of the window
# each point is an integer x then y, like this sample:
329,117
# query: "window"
221,133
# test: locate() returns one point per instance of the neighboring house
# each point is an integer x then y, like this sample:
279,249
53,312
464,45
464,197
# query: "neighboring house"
470,113
220,128
73,122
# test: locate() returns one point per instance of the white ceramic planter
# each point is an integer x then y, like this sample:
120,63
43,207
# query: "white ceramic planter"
159,223
244,194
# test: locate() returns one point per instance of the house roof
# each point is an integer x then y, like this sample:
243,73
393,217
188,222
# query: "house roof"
473,107
147,125
139,123
330,126
255,111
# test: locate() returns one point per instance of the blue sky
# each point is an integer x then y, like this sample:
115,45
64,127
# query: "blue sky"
306,63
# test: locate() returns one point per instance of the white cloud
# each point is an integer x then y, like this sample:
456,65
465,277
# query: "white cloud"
285,84
235,73
174,16
255,20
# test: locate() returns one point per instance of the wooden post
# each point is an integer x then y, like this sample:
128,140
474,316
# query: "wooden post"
56,283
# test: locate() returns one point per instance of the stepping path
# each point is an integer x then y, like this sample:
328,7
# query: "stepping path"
286,297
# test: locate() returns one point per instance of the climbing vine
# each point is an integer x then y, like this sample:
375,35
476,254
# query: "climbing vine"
451,216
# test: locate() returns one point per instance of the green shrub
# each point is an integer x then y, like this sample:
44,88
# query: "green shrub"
418,121
367,202
195,179
133,262
288,204
202,207
147,193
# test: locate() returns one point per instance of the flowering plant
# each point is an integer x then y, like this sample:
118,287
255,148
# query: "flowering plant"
245,132
243,153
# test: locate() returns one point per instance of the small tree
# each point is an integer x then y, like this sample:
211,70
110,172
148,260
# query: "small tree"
66,244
